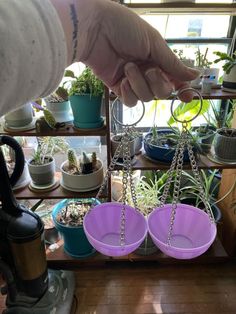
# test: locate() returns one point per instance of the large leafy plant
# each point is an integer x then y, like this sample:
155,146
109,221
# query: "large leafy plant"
87,83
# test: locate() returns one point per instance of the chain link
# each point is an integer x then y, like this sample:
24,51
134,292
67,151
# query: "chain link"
123,150
177,167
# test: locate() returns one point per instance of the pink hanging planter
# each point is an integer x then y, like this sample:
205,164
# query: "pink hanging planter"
192,235
102,228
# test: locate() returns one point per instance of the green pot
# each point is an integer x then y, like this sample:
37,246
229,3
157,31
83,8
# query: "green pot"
87,111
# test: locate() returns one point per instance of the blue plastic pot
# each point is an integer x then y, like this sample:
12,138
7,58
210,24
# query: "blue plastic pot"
75,241
87,111
161,153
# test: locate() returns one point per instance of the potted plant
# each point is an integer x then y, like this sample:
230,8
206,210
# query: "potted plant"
86,94
225,144
186,61
20,118
206,71
149,190
229,67
189,193
206,134
115,142
160,144
42,164
81,174
58,102
44,210
68,218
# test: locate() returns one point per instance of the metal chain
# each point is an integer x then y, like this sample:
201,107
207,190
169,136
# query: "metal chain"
170,173
110,169
177,181
198,178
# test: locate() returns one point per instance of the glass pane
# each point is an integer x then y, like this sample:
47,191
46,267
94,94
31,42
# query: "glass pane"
179,26
211,26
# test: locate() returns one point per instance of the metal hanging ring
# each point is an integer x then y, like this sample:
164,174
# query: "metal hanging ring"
176,96
120,123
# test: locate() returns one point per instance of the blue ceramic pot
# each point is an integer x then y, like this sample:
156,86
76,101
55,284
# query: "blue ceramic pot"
160,153
87,111
75,241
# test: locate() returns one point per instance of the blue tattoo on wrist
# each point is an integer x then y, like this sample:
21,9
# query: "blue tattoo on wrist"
74,19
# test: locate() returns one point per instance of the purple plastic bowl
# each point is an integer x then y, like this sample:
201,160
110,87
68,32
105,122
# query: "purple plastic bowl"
102,228
193,232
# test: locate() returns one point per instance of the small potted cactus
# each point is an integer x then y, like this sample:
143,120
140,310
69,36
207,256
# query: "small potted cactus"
83,173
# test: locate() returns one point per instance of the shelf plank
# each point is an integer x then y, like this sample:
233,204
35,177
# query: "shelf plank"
144,163
58,193
68,130
59,259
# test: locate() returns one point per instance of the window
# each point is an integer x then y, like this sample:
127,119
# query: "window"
187,32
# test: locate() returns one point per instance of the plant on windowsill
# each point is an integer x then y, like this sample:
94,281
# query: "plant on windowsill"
42,164
58,102
229,68
160,144
81,174
224,144
189,192
186,61
85,96
204,66
149,190
68,216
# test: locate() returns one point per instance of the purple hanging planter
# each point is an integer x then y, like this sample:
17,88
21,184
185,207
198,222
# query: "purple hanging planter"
192,235
102,228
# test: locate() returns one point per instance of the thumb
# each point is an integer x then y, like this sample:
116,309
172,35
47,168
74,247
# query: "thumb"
169,63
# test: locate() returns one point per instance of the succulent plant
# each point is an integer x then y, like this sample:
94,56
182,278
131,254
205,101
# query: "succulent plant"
72,159
49,118
94,159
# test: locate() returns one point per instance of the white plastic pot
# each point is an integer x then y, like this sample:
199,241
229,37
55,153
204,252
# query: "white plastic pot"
229,81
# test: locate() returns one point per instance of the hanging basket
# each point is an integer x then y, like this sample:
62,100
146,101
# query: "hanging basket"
102,228
192,234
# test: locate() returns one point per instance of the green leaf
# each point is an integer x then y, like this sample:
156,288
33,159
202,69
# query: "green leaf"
186,111
69,73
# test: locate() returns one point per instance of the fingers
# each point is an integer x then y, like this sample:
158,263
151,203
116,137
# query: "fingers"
159,83
146,86
136,85
137,82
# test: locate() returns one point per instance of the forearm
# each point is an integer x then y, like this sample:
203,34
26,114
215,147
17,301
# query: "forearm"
32,53
78,18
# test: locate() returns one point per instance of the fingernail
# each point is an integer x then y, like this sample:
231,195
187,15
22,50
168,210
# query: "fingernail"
130,69
151,75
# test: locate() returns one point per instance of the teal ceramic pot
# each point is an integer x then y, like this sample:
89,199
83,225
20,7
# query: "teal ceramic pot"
75,240
87,111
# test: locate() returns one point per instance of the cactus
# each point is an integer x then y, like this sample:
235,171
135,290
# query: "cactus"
94,159
49,118
72,159
87,165
86,159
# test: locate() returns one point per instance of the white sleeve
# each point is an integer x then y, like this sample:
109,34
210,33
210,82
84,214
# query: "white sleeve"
33,51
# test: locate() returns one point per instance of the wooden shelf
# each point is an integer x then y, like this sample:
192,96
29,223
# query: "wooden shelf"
144,163
58,193
59,259
183,7
68,130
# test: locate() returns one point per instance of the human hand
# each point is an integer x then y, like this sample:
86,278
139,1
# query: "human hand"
128,54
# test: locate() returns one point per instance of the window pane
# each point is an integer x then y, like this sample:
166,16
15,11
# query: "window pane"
179,26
